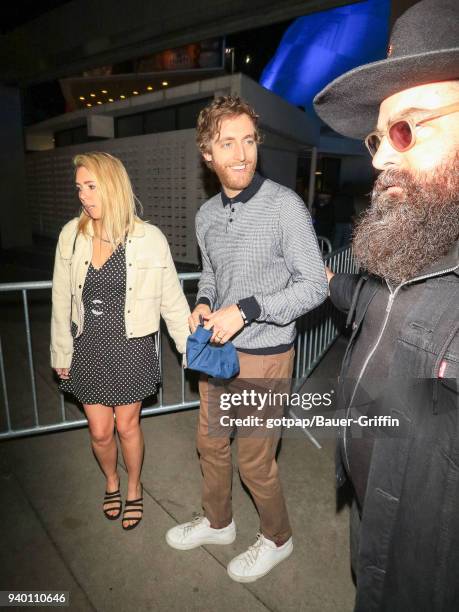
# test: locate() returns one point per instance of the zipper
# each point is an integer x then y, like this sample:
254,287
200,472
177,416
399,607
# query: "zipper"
365,365
381,333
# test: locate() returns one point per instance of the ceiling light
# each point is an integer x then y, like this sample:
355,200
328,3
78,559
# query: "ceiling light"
99,102
136,93
82,98
164,83
88,104
150,88
104,91
248,59
123,97
93,95
110,99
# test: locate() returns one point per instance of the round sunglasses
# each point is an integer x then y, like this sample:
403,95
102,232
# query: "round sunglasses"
401,133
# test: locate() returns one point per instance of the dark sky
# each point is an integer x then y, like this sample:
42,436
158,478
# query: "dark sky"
260,44
45,100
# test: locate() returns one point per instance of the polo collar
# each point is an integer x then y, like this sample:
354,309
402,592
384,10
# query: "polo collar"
246,194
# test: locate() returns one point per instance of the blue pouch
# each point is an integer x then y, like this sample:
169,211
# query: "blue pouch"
219,361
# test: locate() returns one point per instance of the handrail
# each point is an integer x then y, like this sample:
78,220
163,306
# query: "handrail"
317,330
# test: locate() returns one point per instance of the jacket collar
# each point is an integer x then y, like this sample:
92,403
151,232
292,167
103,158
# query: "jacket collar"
138,231
447,263
450,261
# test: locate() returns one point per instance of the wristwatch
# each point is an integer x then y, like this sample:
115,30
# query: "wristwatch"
243,315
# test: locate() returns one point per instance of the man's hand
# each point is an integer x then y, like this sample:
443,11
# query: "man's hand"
62,372
329,274
193,320
225,322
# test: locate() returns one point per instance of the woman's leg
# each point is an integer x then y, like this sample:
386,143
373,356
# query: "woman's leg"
131,438
101,430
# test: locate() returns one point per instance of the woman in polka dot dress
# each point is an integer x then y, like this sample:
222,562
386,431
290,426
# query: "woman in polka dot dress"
113,279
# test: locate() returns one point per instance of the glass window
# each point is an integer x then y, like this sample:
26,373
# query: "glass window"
187,114
63,138
80,135
130,125
161,120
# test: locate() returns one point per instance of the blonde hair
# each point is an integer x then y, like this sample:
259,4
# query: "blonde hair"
115,192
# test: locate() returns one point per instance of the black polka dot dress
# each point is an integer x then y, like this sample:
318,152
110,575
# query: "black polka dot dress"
108,368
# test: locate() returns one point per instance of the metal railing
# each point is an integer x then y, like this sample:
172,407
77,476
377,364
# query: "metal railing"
324,245
317,331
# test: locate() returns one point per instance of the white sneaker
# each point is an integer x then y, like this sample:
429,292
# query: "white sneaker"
258,559
198,532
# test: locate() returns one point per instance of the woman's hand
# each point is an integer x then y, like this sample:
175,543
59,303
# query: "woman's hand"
62,372
193,320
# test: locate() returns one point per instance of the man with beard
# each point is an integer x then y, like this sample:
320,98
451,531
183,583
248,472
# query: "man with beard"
262,269
402,360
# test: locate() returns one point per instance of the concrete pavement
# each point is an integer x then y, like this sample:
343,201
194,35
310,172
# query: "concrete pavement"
54,535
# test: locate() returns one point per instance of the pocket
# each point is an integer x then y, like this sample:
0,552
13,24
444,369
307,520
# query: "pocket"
419,334
149,277
149,262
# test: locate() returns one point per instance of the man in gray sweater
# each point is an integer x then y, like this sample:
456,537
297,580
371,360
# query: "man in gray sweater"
262,269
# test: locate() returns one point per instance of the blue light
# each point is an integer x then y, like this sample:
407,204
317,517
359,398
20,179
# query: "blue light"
319,47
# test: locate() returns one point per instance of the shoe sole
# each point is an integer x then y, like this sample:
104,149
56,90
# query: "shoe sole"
254,578
202,543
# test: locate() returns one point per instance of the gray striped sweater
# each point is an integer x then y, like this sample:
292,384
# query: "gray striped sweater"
264,248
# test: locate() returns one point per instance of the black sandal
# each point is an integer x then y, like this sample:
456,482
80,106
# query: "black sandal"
135,505
112,498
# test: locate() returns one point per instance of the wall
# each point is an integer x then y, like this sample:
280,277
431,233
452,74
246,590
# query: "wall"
278,159
15,228
165,170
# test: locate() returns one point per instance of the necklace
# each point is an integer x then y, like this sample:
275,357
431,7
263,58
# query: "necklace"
102,239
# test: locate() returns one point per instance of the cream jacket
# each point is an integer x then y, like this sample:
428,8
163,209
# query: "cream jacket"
152,289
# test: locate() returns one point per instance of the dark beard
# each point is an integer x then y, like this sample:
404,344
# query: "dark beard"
403,233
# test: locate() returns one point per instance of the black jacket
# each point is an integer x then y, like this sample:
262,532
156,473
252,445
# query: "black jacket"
408,557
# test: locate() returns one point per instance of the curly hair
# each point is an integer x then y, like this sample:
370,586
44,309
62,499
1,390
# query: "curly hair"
211,117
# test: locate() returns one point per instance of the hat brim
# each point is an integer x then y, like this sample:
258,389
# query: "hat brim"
350,103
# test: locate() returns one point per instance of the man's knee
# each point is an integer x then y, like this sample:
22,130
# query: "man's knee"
258,470
208,444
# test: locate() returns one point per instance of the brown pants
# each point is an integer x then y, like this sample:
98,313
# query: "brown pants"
256,457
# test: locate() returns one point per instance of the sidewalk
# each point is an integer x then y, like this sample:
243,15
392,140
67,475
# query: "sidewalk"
55,537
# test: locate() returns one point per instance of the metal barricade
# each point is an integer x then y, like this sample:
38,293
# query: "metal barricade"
318,329
324,245
316,332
